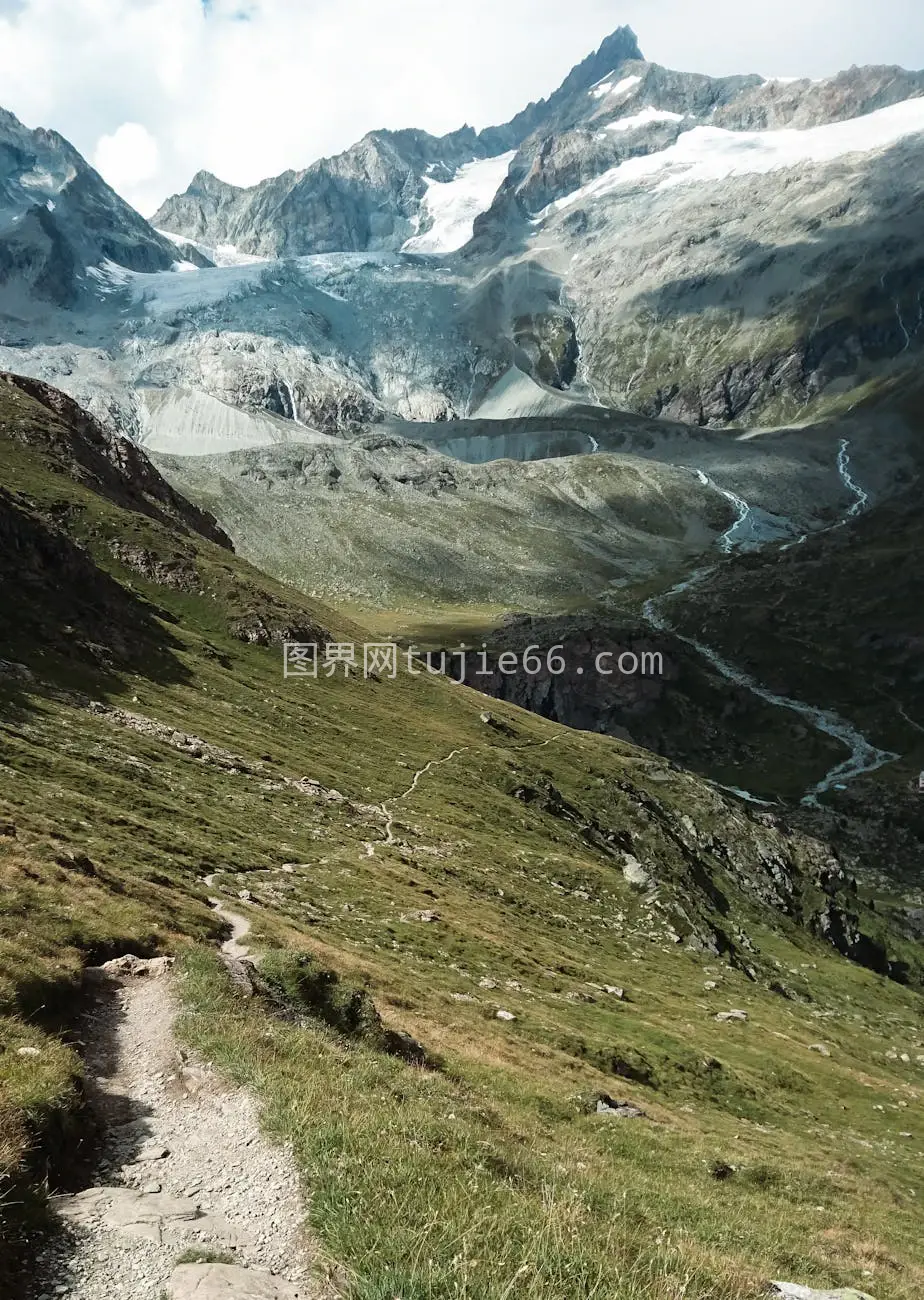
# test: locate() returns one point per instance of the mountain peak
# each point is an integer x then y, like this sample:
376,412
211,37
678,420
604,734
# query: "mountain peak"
205,182
621,46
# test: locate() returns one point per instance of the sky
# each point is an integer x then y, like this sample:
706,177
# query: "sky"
152,91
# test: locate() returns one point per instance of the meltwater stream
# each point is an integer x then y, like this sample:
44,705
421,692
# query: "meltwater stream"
864,756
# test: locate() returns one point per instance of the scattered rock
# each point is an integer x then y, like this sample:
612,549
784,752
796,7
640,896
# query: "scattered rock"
76,862
634,873
737,1015
619,1109
241,973
504,1015
151,1151
615,991
721,1170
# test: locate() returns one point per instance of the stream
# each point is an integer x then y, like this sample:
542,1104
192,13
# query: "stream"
752,529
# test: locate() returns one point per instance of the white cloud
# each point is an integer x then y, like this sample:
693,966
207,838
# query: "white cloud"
127,158
248,88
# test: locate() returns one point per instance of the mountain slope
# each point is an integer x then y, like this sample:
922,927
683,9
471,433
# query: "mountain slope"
447,868
57,219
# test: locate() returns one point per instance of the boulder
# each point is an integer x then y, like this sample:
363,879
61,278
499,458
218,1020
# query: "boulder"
128,966
634,873
618,1109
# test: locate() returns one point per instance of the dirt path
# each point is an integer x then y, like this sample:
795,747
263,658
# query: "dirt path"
184,1168
240,925
387,812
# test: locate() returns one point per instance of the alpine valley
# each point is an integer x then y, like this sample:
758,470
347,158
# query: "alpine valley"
637,373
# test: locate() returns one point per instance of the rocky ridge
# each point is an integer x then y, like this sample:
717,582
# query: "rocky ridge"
722,251
58,218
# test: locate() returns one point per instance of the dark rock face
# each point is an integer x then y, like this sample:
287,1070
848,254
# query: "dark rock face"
105,461
841,928
559,164
582,696
550,345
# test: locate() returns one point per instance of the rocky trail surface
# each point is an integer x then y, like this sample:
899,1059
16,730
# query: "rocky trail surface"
239,925
189,1199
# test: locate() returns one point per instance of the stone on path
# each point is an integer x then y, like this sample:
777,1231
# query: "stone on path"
793,1291
128,966
228,1282
123,1209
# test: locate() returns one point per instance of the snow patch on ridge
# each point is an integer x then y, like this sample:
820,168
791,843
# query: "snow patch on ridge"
603,88
709,153
454,205
644,118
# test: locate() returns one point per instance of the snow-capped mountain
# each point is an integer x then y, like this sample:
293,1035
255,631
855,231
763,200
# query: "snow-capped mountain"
383,193
716,250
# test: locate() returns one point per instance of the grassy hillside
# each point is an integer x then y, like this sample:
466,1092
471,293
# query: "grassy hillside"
445,869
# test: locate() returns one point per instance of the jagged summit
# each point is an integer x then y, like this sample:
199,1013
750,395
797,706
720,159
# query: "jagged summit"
621,46
206,182
369,196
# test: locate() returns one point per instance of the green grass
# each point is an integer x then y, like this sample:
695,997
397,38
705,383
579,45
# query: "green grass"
489,1179
485,1177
